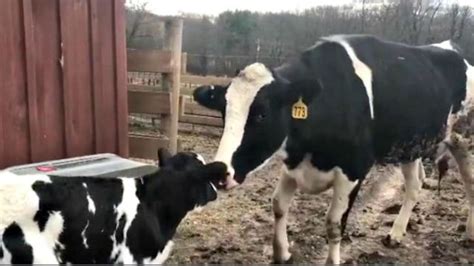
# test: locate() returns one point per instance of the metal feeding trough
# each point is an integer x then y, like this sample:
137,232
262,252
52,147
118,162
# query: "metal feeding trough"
98,165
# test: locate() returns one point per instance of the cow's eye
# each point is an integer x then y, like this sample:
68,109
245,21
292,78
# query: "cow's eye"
259,117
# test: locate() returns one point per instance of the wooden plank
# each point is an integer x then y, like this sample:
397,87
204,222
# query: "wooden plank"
205,80
201,120
148,102
121,77
47,135
145,146
149,61
77,79
193,108
135,87
103,75
14,142
30,61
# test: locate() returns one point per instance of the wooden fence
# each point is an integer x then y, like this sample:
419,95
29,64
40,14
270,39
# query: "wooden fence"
62,79
165,103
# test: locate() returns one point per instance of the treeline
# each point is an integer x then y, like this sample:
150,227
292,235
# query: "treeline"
220,45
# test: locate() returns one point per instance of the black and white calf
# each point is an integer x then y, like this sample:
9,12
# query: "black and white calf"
345,104
48,219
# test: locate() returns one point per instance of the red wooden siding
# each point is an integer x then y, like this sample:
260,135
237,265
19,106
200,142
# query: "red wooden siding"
62,79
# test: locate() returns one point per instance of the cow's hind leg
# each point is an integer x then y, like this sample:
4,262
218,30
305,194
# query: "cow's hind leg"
345,192
413,174
282,197
459,148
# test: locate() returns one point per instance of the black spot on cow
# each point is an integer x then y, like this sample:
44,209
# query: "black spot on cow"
14,241
119,236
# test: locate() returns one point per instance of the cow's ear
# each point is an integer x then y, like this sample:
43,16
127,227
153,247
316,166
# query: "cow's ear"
163,156
212,97
216,171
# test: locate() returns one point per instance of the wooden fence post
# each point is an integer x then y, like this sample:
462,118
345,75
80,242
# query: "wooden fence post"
173,43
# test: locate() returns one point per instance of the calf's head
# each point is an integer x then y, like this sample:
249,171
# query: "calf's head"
252,106
184,181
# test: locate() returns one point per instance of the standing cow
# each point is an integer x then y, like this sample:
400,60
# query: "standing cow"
343,105
48,219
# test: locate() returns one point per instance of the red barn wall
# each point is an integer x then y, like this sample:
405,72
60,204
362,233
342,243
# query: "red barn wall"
62,79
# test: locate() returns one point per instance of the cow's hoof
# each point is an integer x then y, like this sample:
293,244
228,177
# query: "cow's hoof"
391,243
288,261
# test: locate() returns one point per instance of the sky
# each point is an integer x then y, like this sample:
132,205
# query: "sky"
214,7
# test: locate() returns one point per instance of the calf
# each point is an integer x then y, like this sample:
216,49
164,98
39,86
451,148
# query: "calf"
341,106
51,219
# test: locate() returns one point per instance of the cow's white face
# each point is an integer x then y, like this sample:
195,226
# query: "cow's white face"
239,97
255,119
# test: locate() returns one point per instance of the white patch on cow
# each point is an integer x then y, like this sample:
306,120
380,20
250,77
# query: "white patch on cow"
240,95
18,201
90,202
83,235
213,187
42,252
447,45
162,256
361,69
18,204
7,256
200,158
310,179
127,207
469,101
53,228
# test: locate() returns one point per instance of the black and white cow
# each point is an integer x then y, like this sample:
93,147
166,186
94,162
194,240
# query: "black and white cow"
50,219
343,105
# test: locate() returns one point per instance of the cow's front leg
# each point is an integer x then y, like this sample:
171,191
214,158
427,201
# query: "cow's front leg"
281,202
413,173
345,192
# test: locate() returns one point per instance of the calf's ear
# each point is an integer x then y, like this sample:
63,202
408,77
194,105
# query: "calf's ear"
216,171
163,156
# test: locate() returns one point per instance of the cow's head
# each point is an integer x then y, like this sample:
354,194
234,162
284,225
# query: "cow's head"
213,97
185,181
255,126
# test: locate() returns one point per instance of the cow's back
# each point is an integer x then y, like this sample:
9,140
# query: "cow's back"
415,89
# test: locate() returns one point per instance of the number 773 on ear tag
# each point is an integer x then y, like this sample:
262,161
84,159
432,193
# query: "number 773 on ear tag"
299,110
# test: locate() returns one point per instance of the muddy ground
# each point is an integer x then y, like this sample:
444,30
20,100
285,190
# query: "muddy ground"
237,228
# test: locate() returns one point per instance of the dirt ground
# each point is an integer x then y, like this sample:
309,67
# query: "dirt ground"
237,228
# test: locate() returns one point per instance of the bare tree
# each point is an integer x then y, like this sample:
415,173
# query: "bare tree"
136,14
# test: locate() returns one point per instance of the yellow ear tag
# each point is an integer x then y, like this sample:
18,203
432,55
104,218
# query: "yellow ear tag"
299,110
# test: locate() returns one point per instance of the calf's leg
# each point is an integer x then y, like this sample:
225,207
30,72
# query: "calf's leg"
344,194
413,174
281,200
